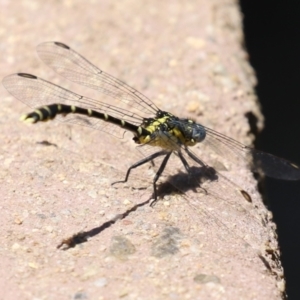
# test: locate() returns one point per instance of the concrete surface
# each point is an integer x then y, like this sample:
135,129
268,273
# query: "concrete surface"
56,178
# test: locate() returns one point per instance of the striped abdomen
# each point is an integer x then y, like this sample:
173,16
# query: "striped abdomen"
49,112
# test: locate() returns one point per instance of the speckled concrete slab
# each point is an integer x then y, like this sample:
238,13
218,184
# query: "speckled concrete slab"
56,178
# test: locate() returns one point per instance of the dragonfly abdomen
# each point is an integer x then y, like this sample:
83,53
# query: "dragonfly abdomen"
49,112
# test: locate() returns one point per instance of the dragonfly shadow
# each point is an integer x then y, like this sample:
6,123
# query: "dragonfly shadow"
83,236
180,183
183,182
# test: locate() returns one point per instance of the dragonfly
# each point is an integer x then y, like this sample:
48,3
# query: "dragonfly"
158,133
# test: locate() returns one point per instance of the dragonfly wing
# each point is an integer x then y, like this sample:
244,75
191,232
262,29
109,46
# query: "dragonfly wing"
228,149
73,66
36,92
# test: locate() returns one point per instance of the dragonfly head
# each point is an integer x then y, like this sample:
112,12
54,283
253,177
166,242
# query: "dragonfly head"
191,132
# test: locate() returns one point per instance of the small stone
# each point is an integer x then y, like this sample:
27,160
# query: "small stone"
204,278
101,282
15,246
80,296
33,265
18,221
121,247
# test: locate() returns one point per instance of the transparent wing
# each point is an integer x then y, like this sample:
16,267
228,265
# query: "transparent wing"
229,149
71,65
36,92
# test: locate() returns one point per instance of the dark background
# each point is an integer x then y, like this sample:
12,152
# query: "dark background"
272,36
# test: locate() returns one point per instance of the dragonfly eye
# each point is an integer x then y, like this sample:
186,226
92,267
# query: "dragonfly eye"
198,133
